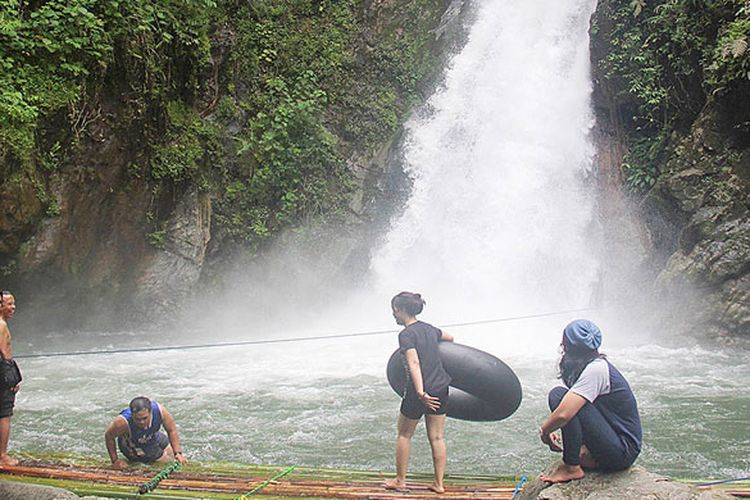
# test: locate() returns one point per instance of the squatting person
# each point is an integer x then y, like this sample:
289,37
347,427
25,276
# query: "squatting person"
596,410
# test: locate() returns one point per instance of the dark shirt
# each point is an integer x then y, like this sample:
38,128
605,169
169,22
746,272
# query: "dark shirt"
601,384
424,338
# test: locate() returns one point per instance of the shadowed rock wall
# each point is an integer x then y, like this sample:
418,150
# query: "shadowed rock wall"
688,231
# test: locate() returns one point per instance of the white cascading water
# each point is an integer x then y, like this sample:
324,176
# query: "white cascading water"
499,219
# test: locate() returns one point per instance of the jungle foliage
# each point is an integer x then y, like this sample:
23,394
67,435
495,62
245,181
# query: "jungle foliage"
663,59
260,103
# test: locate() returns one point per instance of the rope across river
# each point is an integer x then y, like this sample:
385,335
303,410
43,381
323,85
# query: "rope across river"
289,339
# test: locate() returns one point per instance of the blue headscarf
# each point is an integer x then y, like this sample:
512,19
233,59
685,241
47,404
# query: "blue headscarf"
583,333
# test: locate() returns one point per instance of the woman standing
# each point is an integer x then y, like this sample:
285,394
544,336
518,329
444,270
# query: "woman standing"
427,392
596,409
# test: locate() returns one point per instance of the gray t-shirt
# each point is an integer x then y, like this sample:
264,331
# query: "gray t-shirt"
594,381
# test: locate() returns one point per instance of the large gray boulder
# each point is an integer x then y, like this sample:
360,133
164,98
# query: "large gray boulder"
10,490
633,483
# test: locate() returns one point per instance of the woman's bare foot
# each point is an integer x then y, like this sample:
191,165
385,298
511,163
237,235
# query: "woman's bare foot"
563,473
437,489
5,459
394,484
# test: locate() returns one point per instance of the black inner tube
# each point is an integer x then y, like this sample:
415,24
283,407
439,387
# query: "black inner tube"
483,388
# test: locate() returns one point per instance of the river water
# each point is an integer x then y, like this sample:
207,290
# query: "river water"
501,222
326,403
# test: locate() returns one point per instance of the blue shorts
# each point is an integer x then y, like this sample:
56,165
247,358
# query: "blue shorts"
145,454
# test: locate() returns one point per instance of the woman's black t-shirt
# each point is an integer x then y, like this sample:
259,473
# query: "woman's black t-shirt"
424,338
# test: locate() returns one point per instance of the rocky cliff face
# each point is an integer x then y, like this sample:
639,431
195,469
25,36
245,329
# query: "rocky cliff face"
702,195
690,223
176,155
92,261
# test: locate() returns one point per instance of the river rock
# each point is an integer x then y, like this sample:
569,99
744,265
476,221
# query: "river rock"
633,483
10,490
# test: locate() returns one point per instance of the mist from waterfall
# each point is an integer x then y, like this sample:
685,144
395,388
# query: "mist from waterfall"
499,220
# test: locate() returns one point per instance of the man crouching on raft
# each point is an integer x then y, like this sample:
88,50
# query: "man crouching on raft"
136,429
597,412
427,394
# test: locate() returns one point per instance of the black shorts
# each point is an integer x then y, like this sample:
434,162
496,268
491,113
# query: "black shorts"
7,402
413,408
145,454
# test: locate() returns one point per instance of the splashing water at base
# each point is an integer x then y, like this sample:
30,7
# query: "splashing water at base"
498,217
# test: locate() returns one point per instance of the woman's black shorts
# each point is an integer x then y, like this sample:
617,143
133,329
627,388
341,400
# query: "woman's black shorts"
413,408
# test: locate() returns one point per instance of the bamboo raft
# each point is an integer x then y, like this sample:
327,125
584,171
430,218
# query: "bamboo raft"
222,480
228,480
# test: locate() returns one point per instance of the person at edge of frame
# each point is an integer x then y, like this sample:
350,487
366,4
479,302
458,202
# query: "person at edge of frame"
10,376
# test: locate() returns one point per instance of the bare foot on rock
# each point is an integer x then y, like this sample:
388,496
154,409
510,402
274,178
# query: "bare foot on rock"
563,473
394,484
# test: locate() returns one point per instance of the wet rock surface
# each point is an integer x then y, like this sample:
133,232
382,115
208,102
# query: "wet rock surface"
693,223
633,483
18,491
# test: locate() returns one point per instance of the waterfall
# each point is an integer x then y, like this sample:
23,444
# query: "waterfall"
500,219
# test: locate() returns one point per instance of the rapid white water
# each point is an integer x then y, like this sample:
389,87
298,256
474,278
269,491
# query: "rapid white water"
499,218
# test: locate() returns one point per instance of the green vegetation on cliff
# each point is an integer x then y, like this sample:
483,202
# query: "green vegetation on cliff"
259,103
673,80
661,62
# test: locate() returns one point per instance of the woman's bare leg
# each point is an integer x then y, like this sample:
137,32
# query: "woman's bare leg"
406,427
435,433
